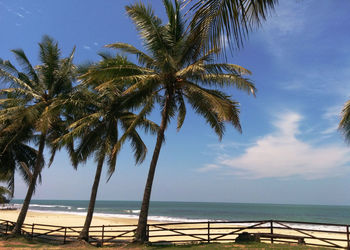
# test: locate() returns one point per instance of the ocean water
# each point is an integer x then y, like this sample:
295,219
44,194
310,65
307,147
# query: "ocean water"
200,211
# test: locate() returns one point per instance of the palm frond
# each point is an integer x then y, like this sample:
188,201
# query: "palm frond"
229,20
143,58
149,26
26,65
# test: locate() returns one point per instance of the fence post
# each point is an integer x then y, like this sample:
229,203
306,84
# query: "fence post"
32,230
147,233
65,235
208,231
271,230
7,227
103,234
347,236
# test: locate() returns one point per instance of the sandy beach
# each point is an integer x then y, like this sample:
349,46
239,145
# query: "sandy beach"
217,229
64,219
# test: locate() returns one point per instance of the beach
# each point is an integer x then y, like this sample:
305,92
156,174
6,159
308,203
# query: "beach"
64,219
164,233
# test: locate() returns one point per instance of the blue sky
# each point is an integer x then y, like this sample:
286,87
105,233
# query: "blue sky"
290,150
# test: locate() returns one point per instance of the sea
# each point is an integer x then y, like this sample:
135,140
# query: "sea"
165,211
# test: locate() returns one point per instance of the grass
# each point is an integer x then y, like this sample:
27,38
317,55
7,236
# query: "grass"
22,242
220,246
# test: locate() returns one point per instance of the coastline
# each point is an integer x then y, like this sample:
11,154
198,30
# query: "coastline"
63,219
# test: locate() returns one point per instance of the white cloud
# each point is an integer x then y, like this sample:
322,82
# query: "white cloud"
227,146
208,167
281,155
96,43
87,47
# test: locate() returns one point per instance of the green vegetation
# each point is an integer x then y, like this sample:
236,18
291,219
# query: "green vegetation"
228,19
219,246
111,101
97,116
29,98
174,71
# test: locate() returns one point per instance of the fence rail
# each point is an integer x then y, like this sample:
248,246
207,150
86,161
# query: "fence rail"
274,231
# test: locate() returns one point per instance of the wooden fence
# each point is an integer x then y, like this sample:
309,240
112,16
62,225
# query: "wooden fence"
274,231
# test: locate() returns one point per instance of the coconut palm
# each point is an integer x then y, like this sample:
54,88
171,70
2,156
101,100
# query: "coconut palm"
101,115
176,71
228,19
31,92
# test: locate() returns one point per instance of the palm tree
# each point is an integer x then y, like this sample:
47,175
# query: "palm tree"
100,115
228,19
175,70
31,93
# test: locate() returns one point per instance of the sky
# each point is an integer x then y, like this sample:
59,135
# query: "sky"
290,151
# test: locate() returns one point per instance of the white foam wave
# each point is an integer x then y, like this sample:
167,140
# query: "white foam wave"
154,218
49,206
130,211
174,219
125,216
133,214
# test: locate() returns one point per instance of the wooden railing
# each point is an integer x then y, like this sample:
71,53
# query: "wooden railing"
274,231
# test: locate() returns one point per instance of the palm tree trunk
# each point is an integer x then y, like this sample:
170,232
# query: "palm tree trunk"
84,234
141,231
37,169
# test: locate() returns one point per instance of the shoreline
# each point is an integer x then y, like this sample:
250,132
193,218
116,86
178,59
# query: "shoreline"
170,232
76,218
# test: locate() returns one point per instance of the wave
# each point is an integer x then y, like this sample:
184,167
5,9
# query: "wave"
81,208
50,206
131,211
170,219
125,216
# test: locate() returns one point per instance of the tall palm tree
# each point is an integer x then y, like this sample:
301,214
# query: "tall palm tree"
227,20
101,115
32,91
176,72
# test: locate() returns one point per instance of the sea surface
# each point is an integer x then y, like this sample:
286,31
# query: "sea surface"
200,211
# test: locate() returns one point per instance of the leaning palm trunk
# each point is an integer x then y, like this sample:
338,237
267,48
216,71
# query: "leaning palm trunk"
84,234
141,231
37,169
